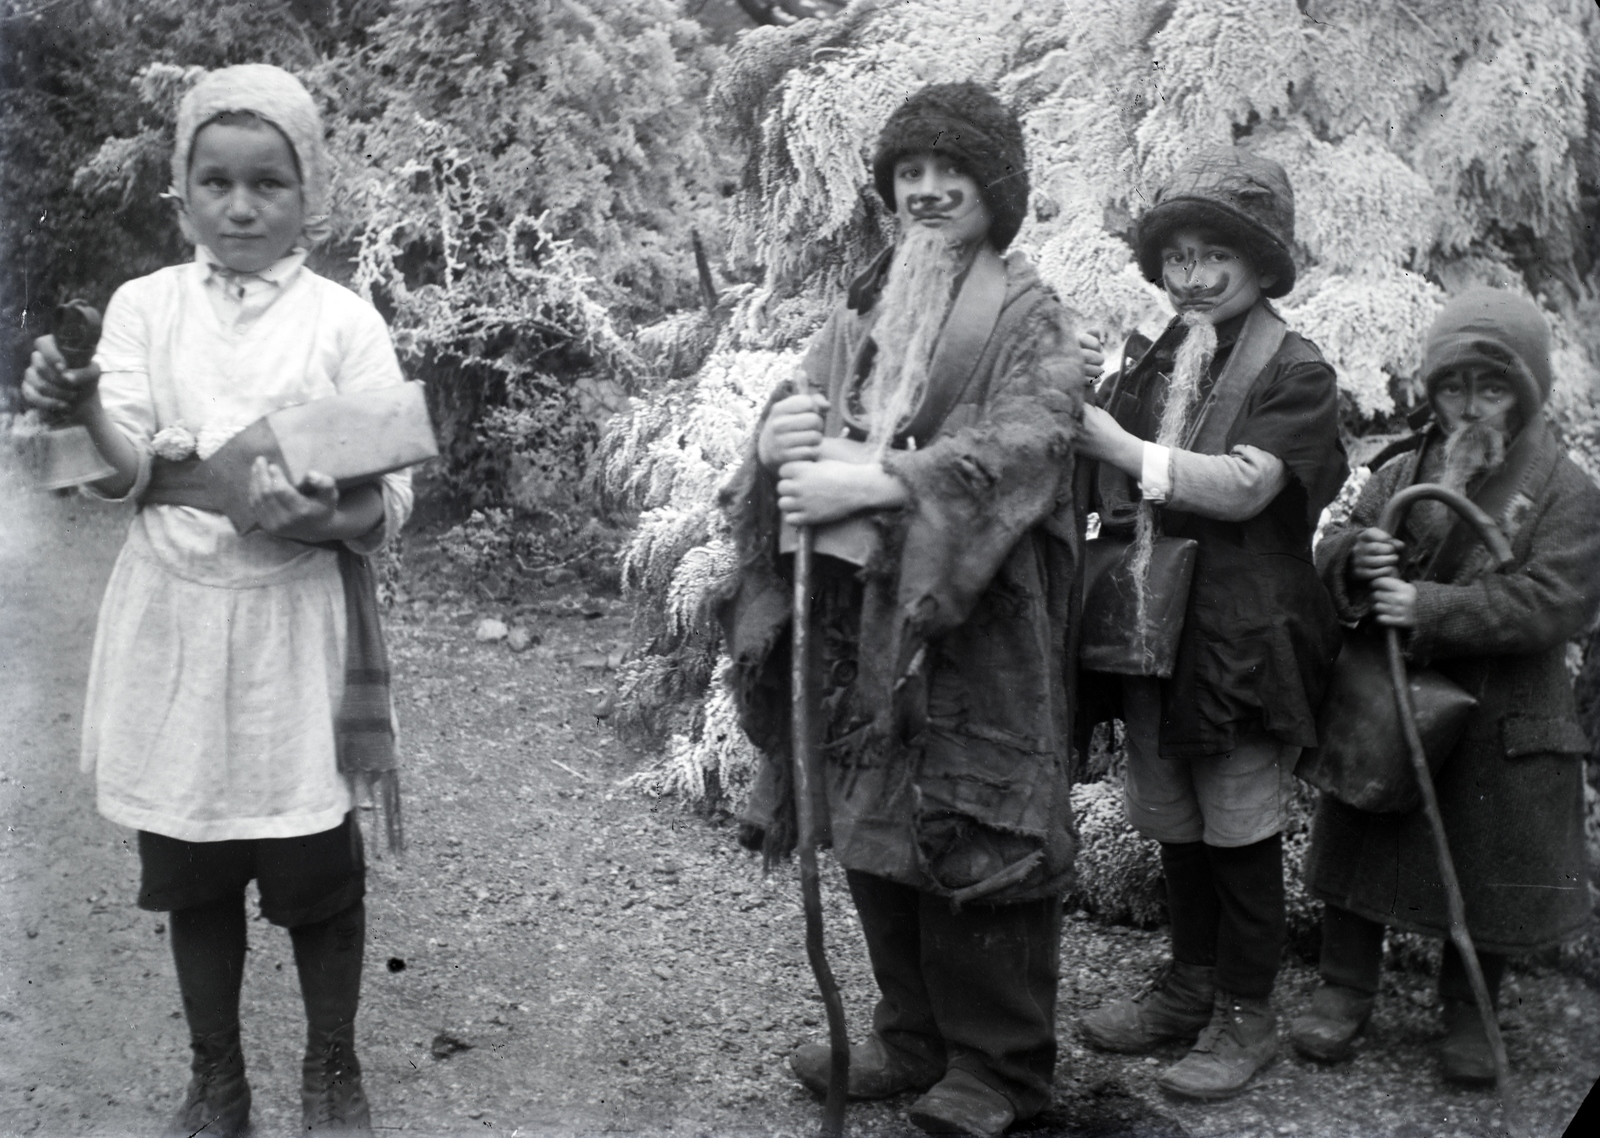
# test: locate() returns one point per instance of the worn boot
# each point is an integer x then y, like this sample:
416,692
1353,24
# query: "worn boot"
331,1098
1176,1007
1465,1055
962,1103
874,1072
1328,1031
1241,1038
218,1101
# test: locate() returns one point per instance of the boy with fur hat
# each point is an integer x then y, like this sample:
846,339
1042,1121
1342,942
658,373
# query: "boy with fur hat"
1225,431
1511,793
932,452
234,692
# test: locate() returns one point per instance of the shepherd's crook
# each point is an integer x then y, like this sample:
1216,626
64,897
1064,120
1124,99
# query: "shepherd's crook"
1491,536
807,777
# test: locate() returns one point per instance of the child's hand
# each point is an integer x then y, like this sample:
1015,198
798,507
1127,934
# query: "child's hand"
1102,437
815,493
1394,602
1094,356
792,432
1375,555
303,514
51,386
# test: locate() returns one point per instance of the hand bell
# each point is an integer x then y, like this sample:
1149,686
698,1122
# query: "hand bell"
66,456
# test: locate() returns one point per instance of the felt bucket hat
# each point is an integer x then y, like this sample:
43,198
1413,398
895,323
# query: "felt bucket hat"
1243,198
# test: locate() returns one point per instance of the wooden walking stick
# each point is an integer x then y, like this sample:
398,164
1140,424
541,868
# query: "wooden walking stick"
807,779
1491,536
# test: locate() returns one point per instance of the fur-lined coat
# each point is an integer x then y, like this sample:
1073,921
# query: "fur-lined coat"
1511,793
947,754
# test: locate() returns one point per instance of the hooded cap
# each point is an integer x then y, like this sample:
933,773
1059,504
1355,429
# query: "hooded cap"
967,123
1243,198
273,95
1496,328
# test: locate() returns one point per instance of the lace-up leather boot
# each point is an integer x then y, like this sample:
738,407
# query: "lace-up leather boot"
1176,1007
1241,1038
331,1098
1328,1031
217,1103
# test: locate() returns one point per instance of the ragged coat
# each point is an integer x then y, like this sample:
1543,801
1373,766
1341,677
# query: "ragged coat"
947,768
1259,636
1511,793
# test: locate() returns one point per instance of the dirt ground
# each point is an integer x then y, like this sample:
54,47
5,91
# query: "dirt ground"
556,954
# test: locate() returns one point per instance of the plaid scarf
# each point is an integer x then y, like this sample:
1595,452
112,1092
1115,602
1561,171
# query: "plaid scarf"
363,727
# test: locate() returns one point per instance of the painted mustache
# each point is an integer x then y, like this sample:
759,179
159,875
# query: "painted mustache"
924,206
1190,294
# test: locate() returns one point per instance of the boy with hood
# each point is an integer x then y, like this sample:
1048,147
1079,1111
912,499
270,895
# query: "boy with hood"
931,449
1225,431
1511,793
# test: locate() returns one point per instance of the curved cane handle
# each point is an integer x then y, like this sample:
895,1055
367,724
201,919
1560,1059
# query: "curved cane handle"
1488,532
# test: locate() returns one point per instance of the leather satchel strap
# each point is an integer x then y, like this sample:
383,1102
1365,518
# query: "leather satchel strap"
1258,342
966,333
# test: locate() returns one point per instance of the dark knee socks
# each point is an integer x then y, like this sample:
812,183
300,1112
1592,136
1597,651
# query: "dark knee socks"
1352,950
1253,925
1227,910
1453,982
208,947
1352,955
328,955
1191,902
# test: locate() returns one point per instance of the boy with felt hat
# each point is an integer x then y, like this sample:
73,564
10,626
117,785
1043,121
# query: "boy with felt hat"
1224,431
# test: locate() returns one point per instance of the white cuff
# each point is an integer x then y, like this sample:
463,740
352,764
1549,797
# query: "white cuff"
1155,474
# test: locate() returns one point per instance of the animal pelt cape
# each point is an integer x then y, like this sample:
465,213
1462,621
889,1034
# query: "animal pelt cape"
982,565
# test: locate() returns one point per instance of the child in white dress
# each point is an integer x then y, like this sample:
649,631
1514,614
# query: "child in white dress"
220,660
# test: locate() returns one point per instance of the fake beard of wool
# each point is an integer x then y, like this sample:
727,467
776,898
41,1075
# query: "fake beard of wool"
1472,451
1189,367
913,307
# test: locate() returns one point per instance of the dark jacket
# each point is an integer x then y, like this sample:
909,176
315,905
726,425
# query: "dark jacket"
947,763
1511,793
1259,635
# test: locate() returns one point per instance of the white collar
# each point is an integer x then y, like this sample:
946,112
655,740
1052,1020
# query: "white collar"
279,273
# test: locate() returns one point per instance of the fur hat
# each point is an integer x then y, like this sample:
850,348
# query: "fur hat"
273,95
1242,197
966,122
1499,329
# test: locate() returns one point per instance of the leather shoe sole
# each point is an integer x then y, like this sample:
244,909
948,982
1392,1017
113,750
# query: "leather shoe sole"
873,1073
961,1103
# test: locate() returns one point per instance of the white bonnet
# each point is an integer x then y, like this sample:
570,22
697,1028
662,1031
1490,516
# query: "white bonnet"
272,94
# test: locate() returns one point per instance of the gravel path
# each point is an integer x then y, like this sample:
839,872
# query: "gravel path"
556,954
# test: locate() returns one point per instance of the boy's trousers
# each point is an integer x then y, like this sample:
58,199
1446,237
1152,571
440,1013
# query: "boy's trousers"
974,989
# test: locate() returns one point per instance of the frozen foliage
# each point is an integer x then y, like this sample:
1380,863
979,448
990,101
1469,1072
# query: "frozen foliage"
669,458
1119,873
1369,323
1431,144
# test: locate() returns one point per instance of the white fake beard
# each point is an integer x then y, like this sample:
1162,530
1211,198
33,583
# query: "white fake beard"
912,311
1471,450
1189,367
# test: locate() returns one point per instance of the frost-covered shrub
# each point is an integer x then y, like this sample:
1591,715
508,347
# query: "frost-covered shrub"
515,186
1431,144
